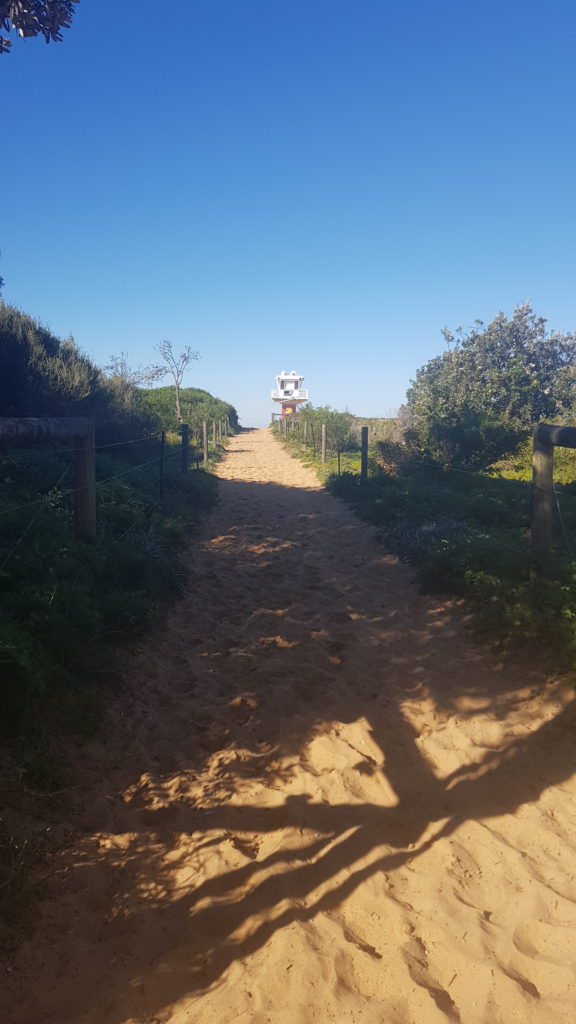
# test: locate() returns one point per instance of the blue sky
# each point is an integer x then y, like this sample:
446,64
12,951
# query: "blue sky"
291,184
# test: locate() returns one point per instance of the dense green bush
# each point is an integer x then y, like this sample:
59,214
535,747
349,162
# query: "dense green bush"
477,401
303,430
197,405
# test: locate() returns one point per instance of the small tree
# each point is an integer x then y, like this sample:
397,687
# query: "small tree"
176,366
123,381
34,18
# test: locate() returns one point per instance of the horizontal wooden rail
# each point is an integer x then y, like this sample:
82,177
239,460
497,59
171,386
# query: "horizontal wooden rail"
21,431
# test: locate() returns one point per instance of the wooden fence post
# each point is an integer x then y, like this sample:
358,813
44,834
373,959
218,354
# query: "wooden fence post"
85,486
542,489
305,433
213,433
162,446
205,439
185,432
219,431
546,438
364,454
323,442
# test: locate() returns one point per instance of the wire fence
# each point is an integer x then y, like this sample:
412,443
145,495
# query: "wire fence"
98,482
171,461
24,453
329,450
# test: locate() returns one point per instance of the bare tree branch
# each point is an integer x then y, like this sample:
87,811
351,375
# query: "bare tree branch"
176,366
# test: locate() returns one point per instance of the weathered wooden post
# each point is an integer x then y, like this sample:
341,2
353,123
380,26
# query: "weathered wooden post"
546,438
364,454
205,439
162,446
213,433
219,431
85,486
305,433
185,432
323,442
542,491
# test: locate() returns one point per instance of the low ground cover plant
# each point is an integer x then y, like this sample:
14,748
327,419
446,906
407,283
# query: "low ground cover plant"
468,535
467,532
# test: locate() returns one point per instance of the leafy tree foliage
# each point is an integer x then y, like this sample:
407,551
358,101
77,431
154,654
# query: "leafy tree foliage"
474,402
35,17
196,405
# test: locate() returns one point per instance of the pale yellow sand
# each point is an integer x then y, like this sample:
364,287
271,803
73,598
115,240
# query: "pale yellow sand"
318,802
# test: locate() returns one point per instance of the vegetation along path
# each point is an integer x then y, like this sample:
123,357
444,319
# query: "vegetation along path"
318,799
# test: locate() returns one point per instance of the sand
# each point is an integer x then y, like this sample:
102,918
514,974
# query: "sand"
318,801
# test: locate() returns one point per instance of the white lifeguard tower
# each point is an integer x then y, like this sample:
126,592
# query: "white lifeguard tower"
289,392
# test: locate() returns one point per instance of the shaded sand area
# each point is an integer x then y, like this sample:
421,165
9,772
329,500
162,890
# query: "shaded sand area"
319,801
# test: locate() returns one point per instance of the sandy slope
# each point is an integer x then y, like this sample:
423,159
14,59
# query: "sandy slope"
319,801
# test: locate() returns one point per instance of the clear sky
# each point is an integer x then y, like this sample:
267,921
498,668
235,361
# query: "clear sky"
291,184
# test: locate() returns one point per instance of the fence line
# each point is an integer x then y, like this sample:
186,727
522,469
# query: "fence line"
98,483
19,431
546,438
34,518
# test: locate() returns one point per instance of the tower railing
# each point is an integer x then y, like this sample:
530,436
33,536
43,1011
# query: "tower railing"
301,393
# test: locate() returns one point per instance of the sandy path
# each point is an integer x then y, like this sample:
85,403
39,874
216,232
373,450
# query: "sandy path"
319,802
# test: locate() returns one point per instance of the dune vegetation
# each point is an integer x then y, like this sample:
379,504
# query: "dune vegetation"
449,478
67,608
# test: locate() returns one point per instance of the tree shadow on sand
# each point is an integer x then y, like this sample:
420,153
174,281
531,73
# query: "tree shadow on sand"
308,636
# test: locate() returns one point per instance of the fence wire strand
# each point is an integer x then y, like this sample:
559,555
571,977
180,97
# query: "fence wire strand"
36,515
24,452
99,483
562,523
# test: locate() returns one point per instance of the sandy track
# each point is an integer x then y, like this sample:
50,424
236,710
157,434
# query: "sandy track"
318,802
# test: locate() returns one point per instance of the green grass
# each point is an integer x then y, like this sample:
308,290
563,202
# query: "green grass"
66,607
